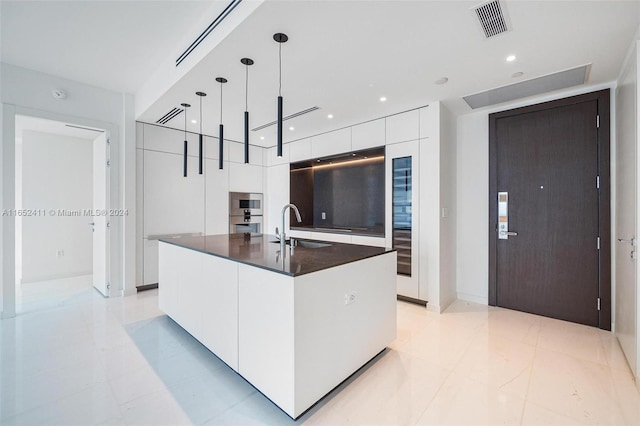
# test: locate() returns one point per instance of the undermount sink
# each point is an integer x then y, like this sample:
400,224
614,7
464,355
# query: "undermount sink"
307,243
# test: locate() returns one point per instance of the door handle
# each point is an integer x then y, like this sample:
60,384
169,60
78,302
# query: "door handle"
509,233
632,241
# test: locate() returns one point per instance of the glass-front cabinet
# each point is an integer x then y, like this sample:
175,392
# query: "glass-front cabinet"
401,205
402,224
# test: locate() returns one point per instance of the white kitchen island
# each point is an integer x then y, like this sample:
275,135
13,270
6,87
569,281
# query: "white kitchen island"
296,326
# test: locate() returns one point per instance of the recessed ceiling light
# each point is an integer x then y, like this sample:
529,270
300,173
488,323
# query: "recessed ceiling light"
194,121
517,74
383,99
330,116
261,138
441,81
292,128
511,58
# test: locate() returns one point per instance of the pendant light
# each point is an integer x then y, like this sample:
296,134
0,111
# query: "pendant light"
221,80
280,38
184,160
200,136
246,62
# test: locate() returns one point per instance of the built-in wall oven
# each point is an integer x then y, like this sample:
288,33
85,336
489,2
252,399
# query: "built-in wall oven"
245,212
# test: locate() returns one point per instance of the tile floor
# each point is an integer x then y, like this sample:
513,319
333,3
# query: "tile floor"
83,359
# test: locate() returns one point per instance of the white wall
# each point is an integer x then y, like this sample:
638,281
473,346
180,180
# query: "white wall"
57,173
472,198
27,92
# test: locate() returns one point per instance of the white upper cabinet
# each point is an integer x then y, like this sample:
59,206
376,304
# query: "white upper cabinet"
331,143
368,135
300,150
157,138
272,157
236,153
173,204
429,121
403,127
217,198
245,178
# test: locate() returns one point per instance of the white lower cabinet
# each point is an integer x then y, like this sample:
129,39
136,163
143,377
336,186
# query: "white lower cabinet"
200,292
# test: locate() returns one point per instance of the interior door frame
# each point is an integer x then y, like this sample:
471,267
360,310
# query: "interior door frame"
7,197
604,202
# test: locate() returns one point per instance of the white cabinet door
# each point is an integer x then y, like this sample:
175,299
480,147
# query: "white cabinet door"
173,204
219,303
217,199
300,150
331,143
402,229
168,279
368,135
150,256
403,127
245,178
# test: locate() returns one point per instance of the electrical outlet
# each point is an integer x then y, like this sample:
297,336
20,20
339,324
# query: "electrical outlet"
324,215
350,297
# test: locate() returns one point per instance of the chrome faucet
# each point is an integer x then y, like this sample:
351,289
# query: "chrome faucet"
283,236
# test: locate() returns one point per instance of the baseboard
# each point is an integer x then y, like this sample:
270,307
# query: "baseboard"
409,299
54,277
146,287
473,298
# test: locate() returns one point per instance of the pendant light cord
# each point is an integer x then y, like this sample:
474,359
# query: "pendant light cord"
220,102
280,69
185,123
246,88
200,114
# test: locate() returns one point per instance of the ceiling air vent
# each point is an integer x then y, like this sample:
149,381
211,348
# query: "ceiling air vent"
212,26
168,116
288,117
491,17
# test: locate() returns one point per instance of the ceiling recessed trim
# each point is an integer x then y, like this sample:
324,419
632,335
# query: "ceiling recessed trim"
212,26
288,117
536,86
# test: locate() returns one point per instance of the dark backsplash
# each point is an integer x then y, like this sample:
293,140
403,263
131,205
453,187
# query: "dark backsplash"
350,194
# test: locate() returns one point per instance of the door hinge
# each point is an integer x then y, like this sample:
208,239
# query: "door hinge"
598,243
108,163
598,121
598,182
108,141
598,303
109,226
109,286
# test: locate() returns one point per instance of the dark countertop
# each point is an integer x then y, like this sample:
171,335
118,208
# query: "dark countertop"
259,251
347,231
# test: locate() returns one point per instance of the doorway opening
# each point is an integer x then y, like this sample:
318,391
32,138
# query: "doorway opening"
61,182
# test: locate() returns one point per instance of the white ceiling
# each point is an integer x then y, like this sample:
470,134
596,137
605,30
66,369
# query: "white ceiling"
341,56
109,44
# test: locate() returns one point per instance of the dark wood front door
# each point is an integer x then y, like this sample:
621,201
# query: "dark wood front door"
552,162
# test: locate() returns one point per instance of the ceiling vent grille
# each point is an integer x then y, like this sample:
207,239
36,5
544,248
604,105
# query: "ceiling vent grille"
288,117
491,18
212,26
168,116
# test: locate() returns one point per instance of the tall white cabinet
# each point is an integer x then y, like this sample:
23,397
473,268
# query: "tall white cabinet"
198,204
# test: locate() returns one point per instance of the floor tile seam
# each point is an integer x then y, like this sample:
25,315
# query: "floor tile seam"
575,358
435,394
526,394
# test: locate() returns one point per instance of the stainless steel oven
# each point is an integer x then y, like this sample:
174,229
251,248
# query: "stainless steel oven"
241,203
242,225
245,213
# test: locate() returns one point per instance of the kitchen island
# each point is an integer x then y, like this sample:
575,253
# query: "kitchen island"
293,324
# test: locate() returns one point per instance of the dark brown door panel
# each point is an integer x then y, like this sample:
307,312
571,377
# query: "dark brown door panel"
547,157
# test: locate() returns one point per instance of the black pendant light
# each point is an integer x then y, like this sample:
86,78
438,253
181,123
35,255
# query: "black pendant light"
200,137
280,38
184,160
246,62
221,80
